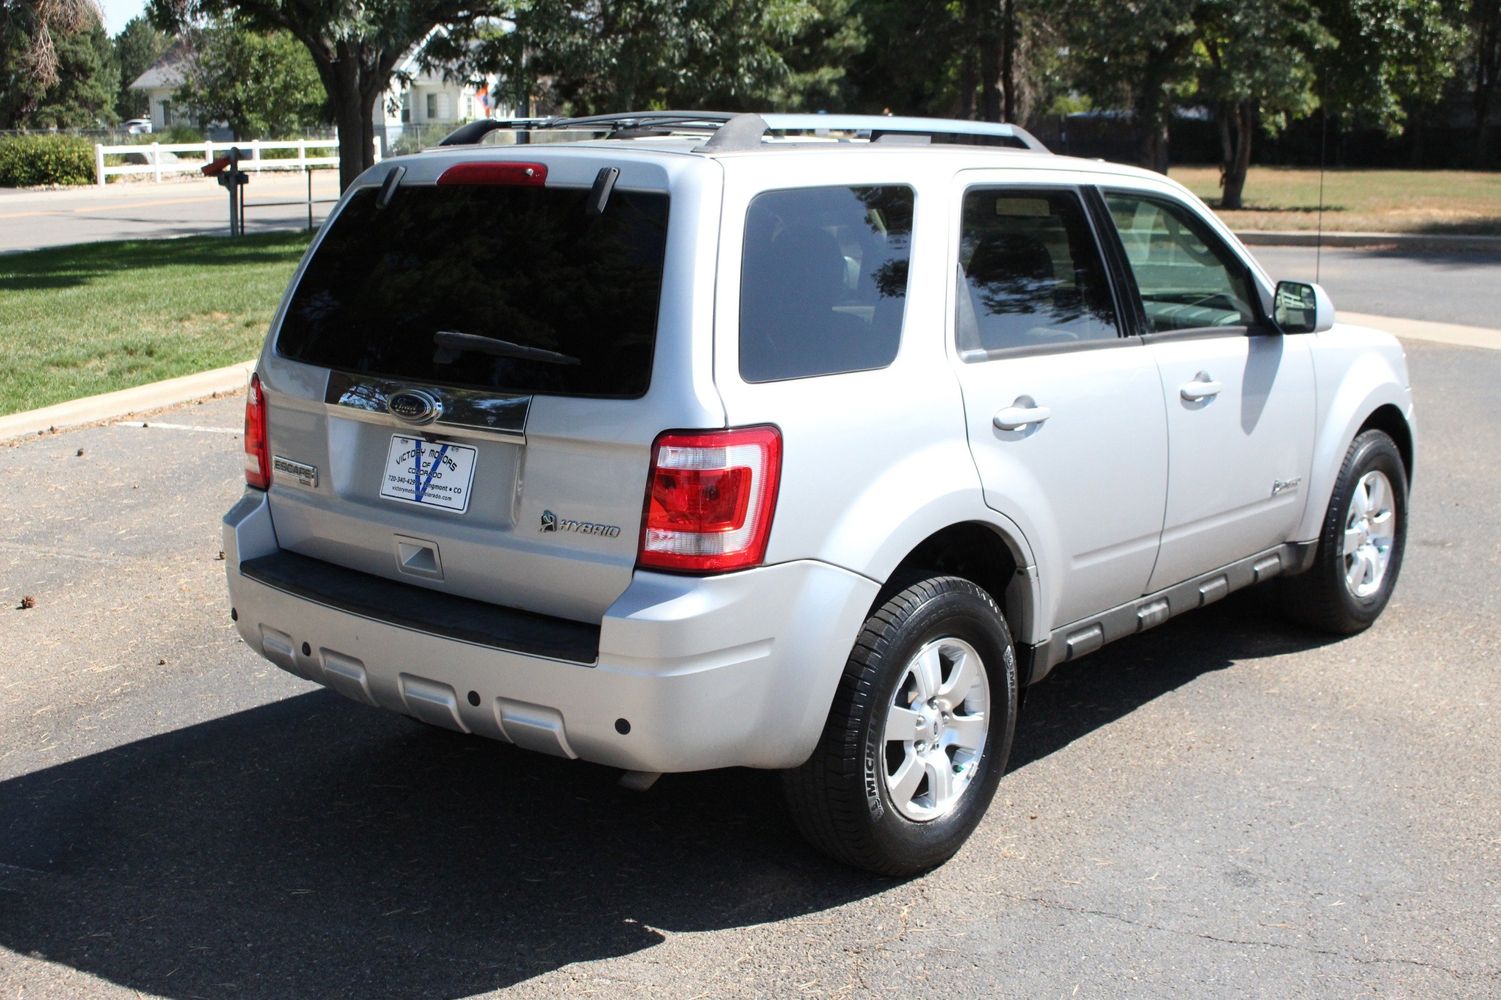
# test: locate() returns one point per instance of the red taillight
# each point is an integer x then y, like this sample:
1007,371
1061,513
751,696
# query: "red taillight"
710,500
496,173
257,450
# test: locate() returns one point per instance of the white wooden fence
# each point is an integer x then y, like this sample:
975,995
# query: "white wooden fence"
199,153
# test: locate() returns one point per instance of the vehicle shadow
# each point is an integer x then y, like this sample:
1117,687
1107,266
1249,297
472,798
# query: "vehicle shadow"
314,847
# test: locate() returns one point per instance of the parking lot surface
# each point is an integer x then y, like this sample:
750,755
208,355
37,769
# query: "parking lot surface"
1226,806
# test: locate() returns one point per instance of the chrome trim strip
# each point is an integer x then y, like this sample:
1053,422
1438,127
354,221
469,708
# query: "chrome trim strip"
500,414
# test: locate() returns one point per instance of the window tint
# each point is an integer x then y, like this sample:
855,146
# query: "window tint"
1030,273
1187,278
515,289
824,281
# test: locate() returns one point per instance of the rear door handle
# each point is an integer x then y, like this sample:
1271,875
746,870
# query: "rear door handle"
1202,387
1022,413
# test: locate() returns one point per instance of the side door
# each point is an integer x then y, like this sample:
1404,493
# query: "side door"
1064,412
1239,395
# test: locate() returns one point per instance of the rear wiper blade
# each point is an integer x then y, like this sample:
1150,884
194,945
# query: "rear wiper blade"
459,341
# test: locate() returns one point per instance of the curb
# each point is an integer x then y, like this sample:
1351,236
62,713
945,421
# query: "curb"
1401,241
112,405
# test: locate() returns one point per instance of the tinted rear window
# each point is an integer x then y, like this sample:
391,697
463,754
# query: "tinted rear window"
406,291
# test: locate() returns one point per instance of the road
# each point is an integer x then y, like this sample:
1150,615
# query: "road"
1444,287
31,220
1223,807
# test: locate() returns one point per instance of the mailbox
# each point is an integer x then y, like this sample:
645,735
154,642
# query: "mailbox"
226,170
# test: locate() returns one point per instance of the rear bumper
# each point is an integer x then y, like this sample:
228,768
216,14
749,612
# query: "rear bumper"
700,672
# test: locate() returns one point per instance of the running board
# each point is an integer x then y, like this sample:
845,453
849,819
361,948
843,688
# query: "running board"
1088,634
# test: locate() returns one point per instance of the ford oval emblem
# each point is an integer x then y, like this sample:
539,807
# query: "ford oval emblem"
414,406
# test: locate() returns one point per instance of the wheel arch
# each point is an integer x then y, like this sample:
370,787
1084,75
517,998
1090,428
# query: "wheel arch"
985,553
1390,421
1370,396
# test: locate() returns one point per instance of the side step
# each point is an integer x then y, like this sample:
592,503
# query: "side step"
1087,635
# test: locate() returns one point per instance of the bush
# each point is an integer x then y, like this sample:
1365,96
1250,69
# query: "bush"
31,160
180,134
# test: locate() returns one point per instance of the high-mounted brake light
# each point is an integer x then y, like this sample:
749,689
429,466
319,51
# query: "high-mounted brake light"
710,500
257,448
496,173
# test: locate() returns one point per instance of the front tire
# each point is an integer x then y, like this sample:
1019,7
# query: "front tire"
919,733
1361,542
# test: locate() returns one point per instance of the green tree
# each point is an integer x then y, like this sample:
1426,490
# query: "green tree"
818,56
915,57
28,30
30,35
611,55
1139,57
82,94
259,83
355,45
137,47
1257,73
1388,54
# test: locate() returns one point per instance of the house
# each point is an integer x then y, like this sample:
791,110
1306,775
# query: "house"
422,105
160,82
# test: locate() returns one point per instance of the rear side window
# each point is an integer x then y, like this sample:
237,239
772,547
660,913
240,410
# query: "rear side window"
823,284
511,289
1031,274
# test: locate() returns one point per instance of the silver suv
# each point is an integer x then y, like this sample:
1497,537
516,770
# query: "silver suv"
684,441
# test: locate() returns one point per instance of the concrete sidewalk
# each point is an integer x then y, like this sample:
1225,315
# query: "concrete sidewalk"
116,405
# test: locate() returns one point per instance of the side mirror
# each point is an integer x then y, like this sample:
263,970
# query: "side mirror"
1303,307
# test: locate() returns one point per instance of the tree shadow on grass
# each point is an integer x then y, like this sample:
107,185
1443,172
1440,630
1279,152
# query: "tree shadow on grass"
314,847
72,266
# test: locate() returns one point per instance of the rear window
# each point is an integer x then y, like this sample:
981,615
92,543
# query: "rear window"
511,289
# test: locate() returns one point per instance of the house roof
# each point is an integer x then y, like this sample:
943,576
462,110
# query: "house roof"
168,71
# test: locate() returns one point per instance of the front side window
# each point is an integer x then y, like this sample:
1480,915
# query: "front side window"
823,282
1188,279
1030,273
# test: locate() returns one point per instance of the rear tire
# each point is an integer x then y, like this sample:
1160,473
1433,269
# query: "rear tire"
919,733
1360,543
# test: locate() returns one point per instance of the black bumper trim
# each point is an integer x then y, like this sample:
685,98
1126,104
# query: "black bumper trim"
422,610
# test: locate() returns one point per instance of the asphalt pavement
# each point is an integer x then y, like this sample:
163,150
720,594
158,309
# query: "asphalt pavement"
1461,286
185,206
1226,806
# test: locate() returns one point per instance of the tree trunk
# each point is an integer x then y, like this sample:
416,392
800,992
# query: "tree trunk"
1487,69
1237,126
968,63
353,92
990,70
1152,109
1008,61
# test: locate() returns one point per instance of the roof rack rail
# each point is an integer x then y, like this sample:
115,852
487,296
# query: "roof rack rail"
730,131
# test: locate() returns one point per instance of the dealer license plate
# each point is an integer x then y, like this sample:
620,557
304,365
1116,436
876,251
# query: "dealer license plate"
430,473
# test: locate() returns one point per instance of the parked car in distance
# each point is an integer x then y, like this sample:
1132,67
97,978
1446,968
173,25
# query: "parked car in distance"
790,442
137,126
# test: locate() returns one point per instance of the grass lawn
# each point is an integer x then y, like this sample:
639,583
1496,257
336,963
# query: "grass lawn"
80,320
1382,201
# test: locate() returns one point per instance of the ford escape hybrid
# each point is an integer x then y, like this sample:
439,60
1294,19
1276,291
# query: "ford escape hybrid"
676,441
